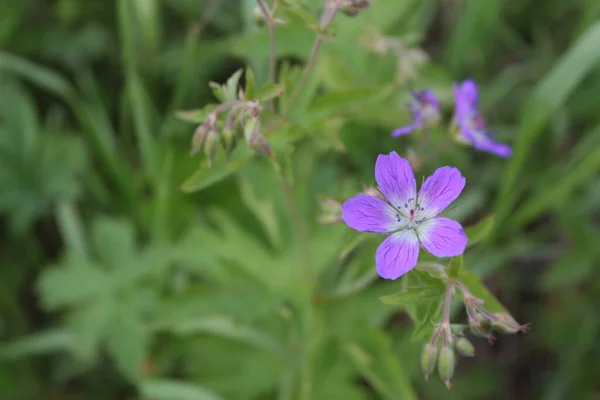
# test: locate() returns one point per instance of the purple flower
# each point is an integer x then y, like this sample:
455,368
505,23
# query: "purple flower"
471,124
411,218
425,111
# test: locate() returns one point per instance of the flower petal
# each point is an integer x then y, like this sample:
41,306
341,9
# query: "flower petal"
396,180
442,237
438,191
468,89
481,140
397,254
369,214
404,130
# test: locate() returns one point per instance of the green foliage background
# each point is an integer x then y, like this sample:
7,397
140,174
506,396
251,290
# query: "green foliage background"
117,284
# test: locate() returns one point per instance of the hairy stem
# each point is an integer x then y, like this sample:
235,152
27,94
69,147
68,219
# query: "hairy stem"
446,315
272,39
326,19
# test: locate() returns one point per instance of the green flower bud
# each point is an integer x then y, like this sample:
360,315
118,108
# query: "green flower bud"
428,359
446,363
465,347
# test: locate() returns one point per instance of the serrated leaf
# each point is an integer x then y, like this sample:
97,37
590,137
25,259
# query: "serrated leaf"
196,116
480,231
268,91
168,389
424,322
478,289
423,331
455,266
221,168
74,282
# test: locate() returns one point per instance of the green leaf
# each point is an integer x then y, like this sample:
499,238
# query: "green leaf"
74,282
249,92
225,327
376,361
45,342
127,341
480,231
479,290
455,266
221,168
196,116
231,86
347,100
268,91
114,240
414,294
549,95
168,389
88,325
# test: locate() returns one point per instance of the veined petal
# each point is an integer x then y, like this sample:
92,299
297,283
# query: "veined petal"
369,214
396,180
442,237
397,254
438,191
481,141
404,130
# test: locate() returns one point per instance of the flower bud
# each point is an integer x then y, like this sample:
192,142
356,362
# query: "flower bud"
504,322
210,145
428,359
331,211
353,7
198,139
465,347
446,363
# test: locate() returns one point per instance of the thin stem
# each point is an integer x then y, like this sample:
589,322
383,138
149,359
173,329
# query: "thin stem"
326,19
272,39
297,222
446,315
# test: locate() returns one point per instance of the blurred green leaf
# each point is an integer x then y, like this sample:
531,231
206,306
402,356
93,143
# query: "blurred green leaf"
45,342
455,266
168,389
478,289
375,359
221,168
413,294
196,116
268,91
480,231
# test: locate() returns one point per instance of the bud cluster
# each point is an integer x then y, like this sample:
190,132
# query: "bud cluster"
213,132
448,339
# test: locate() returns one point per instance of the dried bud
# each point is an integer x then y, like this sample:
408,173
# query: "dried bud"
258,16
482,328
353,7
465,347
373,192
198,138
413,159
210,145
446,363
331,211
507,324
428,359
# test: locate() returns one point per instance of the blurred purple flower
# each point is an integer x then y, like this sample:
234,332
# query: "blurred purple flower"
471,124
411,218
425,111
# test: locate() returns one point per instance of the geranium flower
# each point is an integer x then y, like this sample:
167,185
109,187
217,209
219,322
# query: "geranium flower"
425,112
412,218
471,124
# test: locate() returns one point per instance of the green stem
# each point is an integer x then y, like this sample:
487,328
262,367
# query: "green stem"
326,19
272,39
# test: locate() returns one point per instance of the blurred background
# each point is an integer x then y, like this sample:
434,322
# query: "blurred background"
119,282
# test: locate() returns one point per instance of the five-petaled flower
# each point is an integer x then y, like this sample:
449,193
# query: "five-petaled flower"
412,218
471,124
425,112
